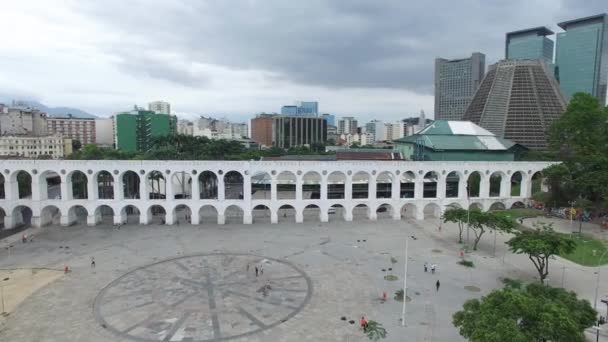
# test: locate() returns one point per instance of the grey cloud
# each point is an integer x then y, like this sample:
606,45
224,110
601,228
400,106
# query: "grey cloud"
348,43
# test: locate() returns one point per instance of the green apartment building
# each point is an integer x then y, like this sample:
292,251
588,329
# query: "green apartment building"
135,129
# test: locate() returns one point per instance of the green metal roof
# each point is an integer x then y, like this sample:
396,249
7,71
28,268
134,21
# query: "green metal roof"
457,135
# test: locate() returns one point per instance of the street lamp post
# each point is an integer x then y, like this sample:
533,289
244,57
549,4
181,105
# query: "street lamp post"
597,286
407,239
2,294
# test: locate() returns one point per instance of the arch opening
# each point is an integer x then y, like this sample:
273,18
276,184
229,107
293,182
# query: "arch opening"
286,185
432,211
336,213
51,184
2,191
384,185
286,213
537,183
24,184
516,180
407,185
261,214
360,185
311,185
495,184
361,212
208,185
476,206
408,211
261,185
130,185
496,206
50,215
105,185
130,214
181,183
22,217
474,184
384,212
452,185
79,182
311,213
207,214
518,205
430,185
336,182
233,185
156,186
233,215
104,214
182,214
157,215
77,215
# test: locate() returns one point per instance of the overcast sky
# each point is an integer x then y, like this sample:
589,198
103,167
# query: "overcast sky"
234,58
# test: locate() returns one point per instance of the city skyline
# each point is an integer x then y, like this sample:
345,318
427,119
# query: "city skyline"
121,55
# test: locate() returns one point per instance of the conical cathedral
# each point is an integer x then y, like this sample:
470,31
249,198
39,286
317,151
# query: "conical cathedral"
518,100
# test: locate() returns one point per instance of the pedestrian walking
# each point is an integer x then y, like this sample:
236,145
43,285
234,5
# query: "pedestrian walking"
261,270
433,267
363,323
437,284
256,271
92,262
426,267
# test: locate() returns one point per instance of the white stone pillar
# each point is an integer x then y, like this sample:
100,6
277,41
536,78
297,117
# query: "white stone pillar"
324,215
371,188
64,220
505,186
462,188
418,189
221,191
118,187
247,217
484,187
118,219
348,214
299,184
348,188
36,189
170,217
247,190
373,215
195,218
420,212
323,188
169,191
66,189
11,189
274,216
273,189
441,186
396,214
525,187
395,188
91,220
92,191
143,188
221,219
299,216
143,216
196,188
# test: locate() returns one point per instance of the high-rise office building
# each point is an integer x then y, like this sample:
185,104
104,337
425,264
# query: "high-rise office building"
582,56
289,110
347,125
530,44
518,100
331,119
455,84
293,131
376,129
159,107
301,108
134,130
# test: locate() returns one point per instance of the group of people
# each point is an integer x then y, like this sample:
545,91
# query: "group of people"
433,268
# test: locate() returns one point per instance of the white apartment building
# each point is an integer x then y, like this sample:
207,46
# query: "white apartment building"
376,130
185,127
394,130
54,146
160,107
347,125
362,139
219,129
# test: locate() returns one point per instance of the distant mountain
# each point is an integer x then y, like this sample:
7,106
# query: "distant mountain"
51,111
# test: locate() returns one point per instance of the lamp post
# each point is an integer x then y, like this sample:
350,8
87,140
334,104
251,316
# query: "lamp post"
2,294
407,239
597,286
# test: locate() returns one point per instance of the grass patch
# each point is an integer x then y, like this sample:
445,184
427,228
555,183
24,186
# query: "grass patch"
390,277
588,251
466,263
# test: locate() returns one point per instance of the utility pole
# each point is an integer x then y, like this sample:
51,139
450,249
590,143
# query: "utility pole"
407,239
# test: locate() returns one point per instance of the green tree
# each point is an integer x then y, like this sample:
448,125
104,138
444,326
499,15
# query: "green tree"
534,313
540,245
458,216
480,222
76,145
374,330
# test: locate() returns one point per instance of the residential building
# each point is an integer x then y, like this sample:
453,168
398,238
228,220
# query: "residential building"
582,56
331,119
185,127
215,129
518,100
456,81
80,129
293,131
347,125
457,141
362,139
49,146
22,120
530,44
376,129
135,129
394,131
160,107
104,132
261,129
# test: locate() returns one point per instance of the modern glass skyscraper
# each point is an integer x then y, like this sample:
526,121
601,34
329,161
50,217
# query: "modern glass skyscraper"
455,84
529,44
582,56
289,110
310,108
331,119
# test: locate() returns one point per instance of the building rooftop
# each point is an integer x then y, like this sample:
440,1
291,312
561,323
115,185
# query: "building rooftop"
564,24
457,135
540,30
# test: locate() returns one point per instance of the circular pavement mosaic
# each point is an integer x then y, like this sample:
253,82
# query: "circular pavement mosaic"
207,297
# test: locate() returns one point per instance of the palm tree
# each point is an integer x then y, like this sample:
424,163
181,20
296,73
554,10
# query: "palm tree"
374,331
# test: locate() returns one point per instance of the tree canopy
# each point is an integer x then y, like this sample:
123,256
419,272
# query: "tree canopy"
579,138
478,221
533,313
540,245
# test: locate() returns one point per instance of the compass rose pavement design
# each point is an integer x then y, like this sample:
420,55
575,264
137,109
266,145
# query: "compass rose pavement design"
206,297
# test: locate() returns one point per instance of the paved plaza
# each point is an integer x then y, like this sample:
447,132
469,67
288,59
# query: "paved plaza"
198,283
